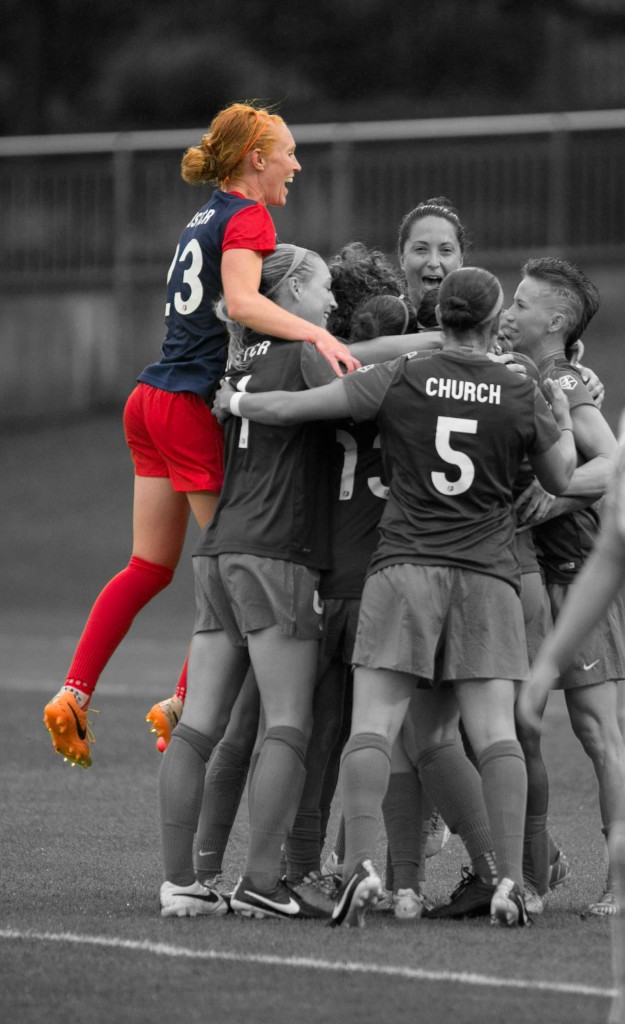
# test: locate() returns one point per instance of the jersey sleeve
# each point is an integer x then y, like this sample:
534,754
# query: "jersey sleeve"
251,228
572,385
546,430
316,369
366,389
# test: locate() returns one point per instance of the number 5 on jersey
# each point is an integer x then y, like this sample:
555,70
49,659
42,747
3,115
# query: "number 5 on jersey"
445,426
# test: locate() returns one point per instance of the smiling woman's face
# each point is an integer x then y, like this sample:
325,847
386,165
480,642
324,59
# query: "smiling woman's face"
430,252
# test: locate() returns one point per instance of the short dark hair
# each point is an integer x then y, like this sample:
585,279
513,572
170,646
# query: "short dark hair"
581,298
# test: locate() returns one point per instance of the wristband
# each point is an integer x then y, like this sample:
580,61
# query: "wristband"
235,402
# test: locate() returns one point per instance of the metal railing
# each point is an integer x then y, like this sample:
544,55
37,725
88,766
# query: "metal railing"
94,209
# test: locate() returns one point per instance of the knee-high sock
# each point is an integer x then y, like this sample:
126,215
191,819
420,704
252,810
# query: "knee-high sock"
181,685
536,841
456,789
223,788
304,844
365,771
504,782
276,791
402,809
111,617
180,787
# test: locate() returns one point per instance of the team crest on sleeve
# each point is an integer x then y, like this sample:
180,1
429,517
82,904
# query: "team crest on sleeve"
568,382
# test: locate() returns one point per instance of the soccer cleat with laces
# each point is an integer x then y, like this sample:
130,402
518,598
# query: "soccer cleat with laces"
438,835
316,891
67,724
559,870
164,718
606,906
360,892
534,902
282,902
471,898
407,904
191,901
508,906
332,868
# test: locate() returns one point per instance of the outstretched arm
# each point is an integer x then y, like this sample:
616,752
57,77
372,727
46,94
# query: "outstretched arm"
282,408
240,273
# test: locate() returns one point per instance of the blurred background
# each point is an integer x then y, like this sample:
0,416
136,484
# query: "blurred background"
515,111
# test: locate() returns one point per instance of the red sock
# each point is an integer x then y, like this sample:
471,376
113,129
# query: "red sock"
111,617
181,685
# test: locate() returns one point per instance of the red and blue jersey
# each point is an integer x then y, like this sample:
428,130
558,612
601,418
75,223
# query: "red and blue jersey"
193,356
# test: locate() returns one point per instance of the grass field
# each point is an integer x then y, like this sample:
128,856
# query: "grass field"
80,933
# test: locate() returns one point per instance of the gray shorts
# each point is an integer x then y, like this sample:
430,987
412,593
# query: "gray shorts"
241,593
340,619
441,624
536,612
602,654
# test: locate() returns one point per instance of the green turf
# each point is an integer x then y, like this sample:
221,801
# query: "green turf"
79,851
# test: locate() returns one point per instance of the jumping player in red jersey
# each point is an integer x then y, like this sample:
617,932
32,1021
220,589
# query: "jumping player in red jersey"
176,444
456,427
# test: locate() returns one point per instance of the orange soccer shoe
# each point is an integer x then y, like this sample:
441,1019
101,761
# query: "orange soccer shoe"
164,718
67,724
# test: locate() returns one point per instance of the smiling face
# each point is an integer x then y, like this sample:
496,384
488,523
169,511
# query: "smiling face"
315,300
530,318
430,252
276,168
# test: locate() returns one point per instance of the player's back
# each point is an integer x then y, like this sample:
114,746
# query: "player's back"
457,426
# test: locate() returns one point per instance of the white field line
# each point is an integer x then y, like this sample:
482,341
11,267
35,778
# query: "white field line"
349,967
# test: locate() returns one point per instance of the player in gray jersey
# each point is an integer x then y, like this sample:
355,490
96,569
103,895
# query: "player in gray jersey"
444,557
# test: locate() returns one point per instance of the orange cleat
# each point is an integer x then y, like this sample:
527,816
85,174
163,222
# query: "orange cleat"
164,718
67,724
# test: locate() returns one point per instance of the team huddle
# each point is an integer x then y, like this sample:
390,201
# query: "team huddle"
391,525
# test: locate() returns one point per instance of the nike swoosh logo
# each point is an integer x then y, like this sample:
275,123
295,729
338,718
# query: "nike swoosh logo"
587,668
292,907
80,729
211,897
206,853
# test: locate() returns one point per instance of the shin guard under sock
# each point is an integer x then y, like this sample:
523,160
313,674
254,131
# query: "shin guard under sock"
111,617
223,789
365,771
181,785
278,781
504,783
403,817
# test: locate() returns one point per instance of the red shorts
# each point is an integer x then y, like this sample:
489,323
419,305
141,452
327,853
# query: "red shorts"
174,434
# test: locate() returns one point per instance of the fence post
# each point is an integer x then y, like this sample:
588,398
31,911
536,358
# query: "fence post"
558,195
341,197
123,259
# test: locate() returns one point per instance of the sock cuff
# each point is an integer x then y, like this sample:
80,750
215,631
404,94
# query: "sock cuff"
203,745
431,753
365,741
502,748
235,755
163,572
292,737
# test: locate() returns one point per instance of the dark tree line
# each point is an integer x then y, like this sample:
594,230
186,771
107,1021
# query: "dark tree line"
78,65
